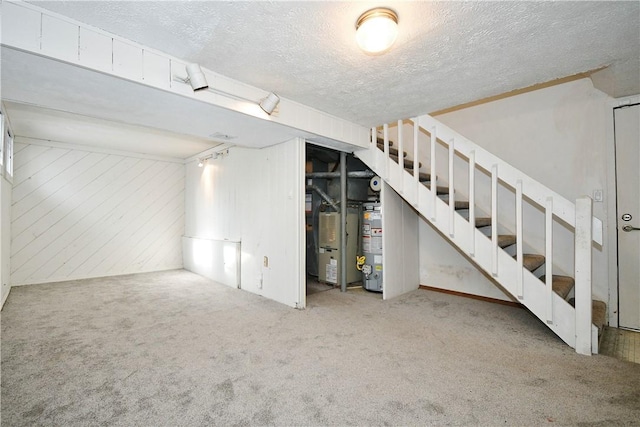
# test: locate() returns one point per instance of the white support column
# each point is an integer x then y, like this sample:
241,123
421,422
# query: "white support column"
519,240
583,238
400,183
472,203
548,256
494,220
452,196
385,130
434,178
416,174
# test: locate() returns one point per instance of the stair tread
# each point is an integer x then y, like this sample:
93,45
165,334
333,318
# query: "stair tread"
483,221
408,164
424,177
505,240
380,141
532,261
598,312
562,285
460,204
394,152
441,189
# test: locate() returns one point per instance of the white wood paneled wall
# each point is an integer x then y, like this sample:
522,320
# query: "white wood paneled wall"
78,214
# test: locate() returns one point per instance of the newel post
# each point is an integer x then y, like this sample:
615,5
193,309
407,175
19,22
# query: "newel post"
583,239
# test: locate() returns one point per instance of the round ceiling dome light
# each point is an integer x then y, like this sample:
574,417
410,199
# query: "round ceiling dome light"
376,30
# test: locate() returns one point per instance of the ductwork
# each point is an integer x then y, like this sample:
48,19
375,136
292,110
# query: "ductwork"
324,196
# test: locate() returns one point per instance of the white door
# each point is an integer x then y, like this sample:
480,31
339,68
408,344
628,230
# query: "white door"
627,134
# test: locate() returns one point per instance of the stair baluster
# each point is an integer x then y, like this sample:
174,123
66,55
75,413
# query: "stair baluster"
519,242
472,203
401,156
494,223
434,175
549,257
452,195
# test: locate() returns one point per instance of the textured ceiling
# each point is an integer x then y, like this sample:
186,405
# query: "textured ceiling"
447,53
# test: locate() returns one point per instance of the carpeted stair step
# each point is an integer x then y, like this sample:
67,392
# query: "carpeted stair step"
505,240
424,177
480,221
441,189
408,164
598,313
460,204
562,285
393,152
483,222
532,261
380,143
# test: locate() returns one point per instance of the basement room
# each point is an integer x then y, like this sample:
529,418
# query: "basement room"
319,213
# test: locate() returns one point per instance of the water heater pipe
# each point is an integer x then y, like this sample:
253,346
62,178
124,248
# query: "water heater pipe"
343,221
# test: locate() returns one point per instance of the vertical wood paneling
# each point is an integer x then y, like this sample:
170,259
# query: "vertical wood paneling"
59,38
20,26
96,49
78,214
127,60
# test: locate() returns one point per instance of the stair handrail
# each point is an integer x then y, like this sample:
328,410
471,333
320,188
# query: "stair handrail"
536,191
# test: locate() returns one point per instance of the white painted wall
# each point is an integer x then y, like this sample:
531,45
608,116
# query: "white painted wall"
5,238
77,214
556,135
399,245
255,197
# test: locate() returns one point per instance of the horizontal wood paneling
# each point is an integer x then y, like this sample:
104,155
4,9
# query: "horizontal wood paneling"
78,214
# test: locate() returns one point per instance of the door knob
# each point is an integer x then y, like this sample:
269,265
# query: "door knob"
630,228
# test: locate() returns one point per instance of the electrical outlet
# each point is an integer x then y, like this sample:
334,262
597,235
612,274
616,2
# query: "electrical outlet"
265,261
597,196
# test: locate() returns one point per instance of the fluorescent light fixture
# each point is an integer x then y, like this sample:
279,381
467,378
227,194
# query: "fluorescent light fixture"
376,30
196,78
270,103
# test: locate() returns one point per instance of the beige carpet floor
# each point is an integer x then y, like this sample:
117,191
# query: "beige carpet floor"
175,349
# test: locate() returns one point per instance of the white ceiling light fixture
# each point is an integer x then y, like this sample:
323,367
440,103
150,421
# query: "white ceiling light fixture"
270,103
196,78
376,30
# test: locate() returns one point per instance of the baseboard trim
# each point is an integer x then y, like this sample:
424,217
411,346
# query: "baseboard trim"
74,278
478,297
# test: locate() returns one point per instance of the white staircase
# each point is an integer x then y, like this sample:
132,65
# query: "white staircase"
460,171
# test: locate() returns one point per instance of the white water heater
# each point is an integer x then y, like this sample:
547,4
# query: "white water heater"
372,246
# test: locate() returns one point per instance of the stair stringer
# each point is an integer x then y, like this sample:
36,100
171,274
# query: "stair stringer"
458,231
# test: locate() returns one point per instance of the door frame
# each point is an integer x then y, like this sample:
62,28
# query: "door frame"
611,206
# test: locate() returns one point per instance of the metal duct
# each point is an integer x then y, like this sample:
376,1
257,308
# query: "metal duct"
324,195
330,175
